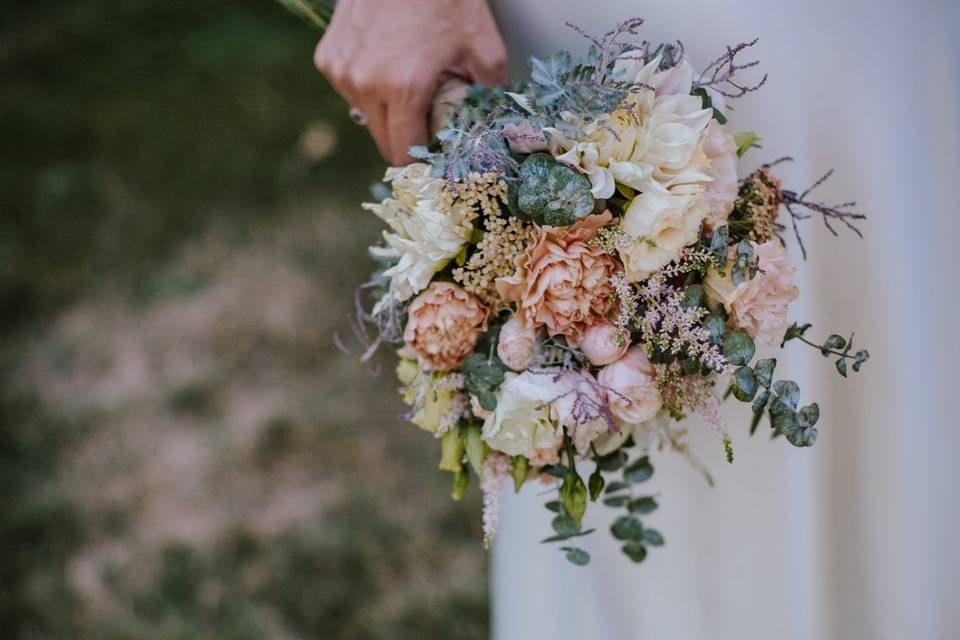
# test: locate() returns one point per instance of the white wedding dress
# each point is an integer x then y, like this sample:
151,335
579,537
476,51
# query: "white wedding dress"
859,536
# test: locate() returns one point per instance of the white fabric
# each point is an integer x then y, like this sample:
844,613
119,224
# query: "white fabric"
858,537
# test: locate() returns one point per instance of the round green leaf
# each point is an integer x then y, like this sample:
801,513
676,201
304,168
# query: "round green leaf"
744,384
738,347
635,551
626,528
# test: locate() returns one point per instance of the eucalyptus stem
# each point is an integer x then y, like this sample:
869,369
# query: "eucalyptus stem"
822,348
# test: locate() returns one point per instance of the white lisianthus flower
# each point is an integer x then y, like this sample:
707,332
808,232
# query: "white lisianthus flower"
649,144
534,406
426,234
660,226
522,423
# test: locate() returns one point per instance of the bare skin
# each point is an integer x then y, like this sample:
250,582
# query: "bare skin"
388,57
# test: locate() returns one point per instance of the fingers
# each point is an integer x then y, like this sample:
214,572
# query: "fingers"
407,123
486,60
378,124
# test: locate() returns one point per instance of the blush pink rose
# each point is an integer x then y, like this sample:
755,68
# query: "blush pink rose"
562,282
759,305
721,192
443,325
517,344
603,343
631,387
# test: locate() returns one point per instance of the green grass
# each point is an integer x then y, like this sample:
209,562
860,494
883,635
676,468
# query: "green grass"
132,129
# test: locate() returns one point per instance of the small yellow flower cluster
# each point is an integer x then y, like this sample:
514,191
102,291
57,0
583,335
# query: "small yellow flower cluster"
504,240
482,192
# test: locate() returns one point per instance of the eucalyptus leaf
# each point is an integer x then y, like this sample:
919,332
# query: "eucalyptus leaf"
794,331
652,537
738,347
576,555
759,404
612,461
564,525
642,505
627,528
635,551
744,384
551,193
615,486
763,370
639,470
616,501
693,296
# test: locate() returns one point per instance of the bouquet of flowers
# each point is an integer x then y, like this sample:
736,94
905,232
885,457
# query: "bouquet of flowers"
573,267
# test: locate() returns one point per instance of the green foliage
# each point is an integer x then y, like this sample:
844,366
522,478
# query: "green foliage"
595,483
640,470
551,193
576,555
738,347
701,92
475,448
718,246
745,265
316,13
744,384
483,375
642,505
627,528
573,495
459,484
520,471
635,551
743,140
834,345
693,296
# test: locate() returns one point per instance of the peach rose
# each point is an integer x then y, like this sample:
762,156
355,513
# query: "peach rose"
631,387
721,193
758,306
562,282
517,344
603,343
443,325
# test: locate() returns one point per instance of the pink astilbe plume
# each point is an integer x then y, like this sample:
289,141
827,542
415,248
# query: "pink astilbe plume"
496,468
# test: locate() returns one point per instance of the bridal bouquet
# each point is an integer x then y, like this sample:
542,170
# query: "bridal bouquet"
574,267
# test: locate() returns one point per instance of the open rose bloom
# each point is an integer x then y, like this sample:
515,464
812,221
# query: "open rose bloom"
576,266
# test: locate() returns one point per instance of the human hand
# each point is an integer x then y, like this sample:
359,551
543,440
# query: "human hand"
388,58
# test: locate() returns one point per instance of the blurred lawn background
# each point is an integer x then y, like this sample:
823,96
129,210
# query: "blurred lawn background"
183,451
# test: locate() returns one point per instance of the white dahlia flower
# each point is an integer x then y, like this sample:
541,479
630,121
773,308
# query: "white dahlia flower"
426,232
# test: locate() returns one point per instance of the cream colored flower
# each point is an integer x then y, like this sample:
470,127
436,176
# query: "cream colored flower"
660,225
522,423
649,144
758,305
427,231
721,192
